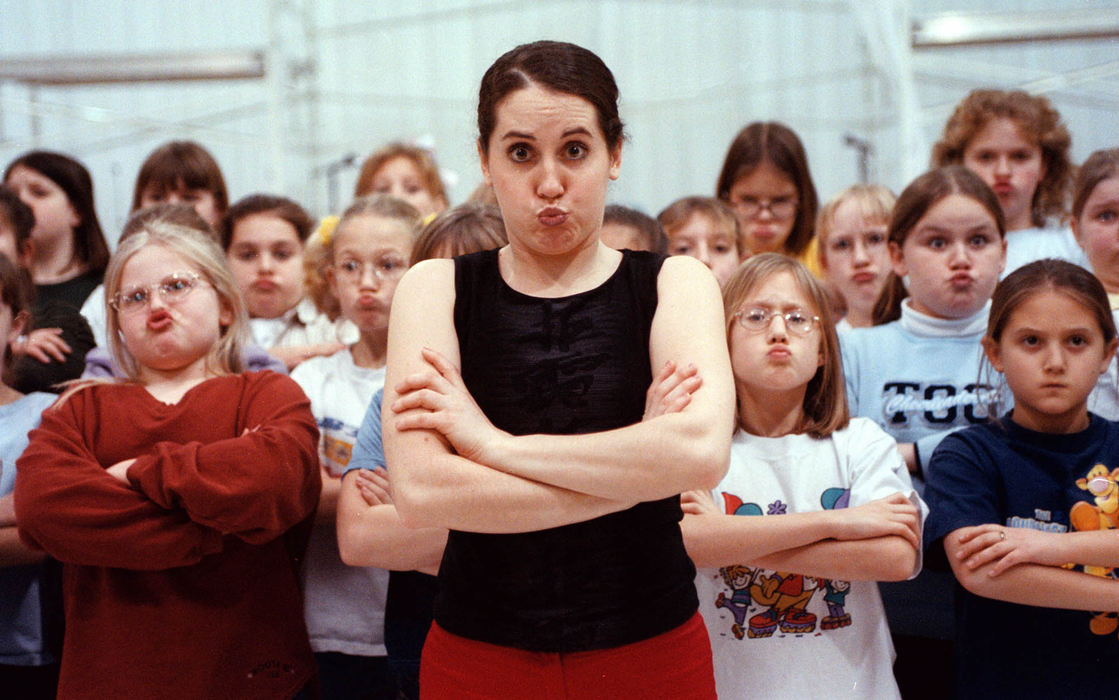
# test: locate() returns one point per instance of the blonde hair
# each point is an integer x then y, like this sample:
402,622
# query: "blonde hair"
420,157
201,251
319,252
825,400
875,203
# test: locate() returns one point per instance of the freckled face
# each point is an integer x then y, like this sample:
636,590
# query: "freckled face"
549,164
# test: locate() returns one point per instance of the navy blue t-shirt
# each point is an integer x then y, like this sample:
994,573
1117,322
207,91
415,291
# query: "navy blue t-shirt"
1003,473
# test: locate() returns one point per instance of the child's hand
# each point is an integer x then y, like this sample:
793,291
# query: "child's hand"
892,515
44,344
1004,547
439,400
698,503
119,471
292,356
7,511
374,486
671,390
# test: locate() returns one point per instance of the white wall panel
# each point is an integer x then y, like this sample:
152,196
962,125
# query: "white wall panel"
691,75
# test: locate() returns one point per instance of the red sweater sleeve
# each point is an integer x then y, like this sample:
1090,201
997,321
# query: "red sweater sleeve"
69,506
255,486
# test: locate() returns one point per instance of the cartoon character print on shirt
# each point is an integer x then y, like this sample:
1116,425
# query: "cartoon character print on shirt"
338,440
780,599
1101,514
934,406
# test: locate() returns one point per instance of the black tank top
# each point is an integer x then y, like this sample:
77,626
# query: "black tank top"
568,365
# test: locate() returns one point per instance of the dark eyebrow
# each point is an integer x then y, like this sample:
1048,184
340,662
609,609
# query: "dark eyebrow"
529,137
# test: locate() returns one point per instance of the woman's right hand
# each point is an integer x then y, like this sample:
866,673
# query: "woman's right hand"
671,390
893,515
439,400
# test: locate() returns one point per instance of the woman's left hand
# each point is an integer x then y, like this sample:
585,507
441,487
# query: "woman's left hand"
1005,547
439,400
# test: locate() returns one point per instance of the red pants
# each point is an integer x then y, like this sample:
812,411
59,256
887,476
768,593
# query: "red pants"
676,664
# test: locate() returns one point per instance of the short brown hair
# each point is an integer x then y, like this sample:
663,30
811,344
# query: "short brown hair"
280,207
825,400
649,228
1037,119
467,228
677,214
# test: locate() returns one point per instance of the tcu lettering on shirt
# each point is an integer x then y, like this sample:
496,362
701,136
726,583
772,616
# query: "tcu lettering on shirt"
936,405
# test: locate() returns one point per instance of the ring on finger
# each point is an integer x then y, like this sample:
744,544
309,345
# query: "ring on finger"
1002,534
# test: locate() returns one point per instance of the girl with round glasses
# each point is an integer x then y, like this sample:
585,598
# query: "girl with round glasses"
189,480
798,591
362,263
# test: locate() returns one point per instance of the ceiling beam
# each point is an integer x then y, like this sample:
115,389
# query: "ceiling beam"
982,28
130,68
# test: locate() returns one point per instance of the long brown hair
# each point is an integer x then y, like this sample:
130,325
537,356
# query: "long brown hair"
825,400
912,205
778,145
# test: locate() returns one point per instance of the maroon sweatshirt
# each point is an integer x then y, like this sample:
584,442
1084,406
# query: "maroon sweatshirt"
185,582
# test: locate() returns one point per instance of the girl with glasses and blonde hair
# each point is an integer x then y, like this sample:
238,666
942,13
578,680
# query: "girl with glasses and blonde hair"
361,263
189,481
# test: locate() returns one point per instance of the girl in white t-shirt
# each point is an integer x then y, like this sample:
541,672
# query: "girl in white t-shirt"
790,603
363,259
